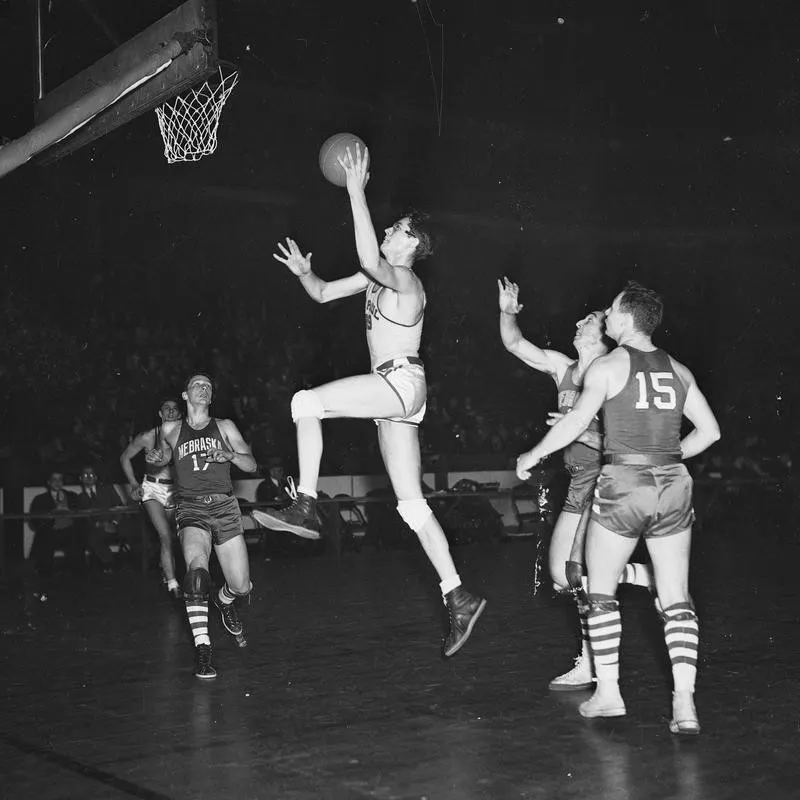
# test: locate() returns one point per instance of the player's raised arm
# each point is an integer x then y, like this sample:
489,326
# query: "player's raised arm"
377,268
319,290
549,361
239,454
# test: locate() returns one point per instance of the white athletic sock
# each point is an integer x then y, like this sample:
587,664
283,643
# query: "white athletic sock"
305,490
450,583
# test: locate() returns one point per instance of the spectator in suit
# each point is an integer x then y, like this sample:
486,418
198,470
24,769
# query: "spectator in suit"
98,496
275,487
57,532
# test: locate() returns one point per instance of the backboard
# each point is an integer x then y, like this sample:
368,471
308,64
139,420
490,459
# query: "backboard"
80,45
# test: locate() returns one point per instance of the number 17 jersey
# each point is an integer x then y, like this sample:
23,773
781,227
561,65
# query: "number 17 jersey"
645,417
195,475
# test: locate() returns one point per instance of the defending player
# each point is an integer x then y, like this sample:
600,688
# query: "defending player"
207,513
155,492
643,490
393,394
581,461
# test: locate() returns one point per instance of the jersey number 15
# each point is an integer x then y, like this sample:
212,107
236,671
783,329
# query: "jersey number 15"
662,394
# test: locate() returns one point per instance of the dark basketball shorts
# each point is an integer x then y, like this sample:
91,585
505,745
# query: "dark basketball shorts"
221,518
582,479
644,500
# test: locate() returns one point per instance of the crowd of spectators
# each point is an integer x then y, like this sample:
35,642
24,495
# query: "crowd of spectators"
77,394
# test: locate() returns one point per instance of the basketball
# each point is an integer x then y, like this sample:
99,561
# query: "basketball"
333,148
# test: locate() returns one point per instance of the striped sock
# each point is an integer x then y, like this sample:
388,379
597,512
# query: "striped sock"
583,614
682,635
197,611
637,575
605,632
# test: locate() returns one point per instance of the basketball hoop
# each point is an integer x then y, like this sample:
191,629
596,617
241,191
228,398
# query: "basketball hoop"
189,122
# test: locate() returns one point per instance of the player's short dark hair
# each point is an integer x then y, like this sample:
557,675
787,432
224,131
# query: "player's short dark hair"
418,226
194,375
644,305
171,398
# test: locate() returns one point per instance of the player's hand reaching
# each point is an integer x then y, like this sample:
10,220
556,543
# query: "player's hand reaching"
218,456
154,456
509,296
525,463
291,256
356,168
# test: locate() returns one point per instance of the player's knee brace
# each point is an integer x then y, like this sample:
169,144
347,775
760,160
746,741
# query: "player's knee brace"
602,603
574,574
415,513
196,583
306,404
684,611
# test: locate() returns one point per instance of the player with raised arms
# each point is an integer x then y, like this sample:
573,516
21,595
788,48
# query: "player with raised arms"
644,490
582,462
393,393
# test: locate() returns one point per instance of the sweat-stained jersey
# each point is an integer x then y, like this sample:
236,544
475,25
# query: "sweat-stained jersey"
568,393
195,475
386,338
645,417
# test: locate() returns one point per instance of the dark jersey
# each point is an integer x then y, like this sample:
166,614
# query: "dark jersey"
645,417
568,393
195,475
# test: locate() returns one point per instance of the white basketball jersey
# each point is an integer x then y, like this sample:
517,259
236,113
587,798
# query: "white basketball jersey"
386,338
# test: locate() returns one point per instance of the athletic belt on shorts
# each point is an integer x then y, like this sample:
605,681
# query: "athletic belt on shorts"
643,459
158,480
399,362
207,498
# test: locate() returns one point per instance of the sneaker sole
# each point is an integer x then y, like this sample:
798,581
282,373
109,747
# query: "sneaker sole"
453,650
570,687
279,525
607,711
684,727
206,677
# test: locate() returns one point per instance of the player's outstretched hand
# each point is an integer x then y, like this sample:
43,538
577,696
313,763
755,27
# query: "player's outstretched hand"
509,296
218,456
356,168
291,256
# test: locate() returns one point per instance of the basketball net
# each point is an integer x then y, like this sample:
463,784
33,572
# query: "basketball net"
189,122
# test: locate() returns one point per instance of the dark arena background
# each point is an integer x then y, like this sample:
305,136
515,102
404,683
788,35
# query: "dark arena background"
571,146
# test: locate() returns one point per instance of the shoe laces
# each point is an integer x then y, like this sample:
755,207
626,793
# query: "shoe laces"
291,489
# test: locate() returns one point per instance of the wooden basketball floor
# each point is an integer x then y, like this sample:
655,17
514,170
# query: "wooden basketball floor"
342,692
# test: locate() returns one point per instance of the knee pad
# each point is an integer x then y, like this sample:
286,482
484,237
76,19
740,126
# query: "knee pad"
306,404
574,573
415,513
197,583
241,594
